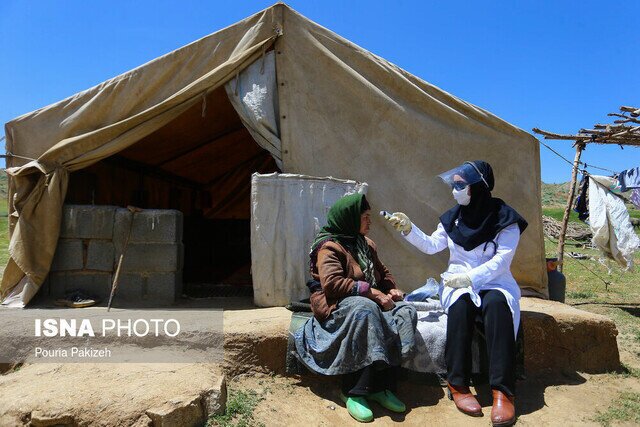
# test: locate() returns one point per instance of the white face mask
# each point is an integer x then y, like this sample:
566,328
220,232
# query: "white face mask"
462,196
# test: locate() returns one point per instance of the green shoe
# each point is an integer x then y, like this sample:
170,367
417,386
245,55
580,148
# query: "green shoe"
388,400
358,408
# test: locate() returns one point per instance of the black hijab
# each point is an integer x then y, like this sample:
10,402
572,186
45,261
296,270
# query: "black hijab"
483,218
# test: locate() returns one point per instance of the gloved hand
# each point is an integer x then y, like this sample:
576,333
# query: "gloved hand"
400,222
459,280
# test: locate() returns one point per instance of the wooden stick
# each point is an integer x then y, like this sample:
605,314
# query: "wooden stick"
116,277
629,130
633,110
551,135
567,209
627,120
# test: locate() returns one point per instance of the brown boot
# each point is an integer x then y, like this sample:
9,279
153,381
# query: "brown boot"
503,412
464,400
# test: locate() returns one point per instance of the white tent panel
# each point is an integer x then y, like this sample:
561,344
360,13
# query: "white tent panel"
287,210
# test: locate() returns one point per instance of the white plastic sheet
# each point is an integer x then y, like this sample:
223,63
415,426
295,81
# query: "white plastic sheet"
609,220
286,212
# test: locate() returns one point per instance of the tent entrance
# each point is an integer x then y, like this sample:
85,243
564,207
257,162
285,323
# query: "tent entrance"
201,164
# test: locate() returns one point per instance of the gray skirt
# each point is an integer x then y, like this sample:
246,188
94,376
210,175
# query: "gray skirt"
355,335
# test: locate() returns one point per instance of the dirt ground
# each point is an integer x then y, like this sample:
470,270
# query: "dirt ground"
566,401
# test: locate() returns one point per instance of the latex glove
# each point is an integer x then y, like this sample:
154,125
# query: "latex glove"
459,280
400,222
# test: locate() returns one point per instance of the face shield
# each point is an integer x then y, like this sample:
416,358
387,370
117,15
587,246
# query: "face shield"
463,175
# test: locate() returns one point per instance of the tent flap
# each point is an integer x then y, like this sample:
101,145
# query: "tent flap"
254,95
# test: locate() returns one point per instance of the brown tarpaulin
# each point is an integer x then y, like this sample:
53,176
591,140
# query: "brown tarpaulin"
344,112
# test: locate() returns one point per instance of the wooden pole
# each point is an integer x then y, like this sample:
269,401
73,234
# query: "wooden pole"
567,209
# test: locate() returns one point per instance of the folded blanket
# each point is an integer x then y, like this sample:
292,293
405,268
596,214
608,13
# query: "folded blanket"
431,339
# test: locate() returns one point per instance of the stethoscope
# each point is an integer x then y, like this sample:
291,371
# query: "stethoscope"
495,247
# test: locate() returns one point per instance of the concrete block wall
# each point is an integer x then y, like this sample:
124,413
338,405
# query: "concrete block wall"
91,241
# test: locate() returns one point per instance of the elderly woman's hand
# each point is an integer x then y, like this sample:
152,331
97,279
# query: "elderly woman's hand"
396,294
382,299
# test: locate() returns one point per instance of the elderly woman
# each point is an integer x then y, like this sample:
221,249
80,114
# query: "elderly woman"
481,233
359,328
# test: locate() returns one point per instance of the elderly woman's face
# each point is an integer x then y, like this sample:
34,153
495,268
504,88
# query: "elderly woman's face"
365,222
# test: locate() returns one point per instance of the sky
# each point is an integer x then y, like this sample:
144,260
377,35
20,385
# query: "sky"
556,65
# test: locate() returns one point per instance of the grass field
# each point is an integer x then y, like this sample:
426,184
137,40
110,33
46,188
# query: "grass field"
557,213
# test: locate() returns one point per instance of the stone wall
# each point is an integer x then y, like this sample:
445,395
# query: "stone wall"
91,241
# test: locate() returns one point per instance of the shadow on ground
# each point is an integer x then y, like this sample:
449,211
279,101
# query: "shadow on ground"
423,390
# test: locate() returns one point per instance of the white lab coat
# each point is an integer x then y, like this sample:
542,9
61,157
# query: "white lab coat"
487,270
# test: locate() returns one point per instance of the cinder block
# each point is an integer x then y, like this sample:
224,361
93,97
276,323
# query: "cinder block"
148,289
100,255
151,257
68,255
93,283
149,226
87,221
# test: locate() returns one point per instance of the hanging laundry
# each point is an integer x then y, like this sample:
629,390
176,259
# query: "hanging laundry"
629,178
610,224
582,203
635,197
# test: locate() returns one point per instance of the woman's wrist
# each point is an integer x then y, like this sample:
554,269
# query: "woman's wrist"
362,288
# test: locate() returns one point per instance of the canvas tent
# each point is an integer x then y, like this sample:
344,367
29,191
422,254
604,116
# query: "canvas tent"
334,109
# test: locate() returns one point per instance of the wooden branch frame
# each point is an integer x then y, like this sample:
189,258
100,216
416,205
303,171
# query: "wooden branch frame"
621,132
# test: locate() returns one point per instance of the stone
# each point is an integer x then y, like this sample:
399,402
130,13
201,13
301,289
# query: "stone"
100,255
143,421
151,257
40,419
148,289
255,340
97,284
87,221
214,400
178,413
149,226
68,256
559,338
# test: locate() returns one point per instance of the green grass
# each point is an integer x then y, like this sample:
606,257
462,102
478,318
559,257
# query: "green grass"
625,408
557,213
629,372
581,295
239,411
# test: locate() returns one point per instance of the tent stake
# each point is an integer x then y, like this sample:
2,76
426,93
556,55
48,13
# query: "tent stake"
567,209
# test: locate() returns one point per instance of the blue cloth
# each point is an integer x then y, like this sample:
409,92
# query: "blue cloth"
629,179
355,335
424,292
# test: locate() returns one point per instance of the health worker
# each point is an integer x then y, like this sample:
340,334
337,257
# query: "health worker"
482,234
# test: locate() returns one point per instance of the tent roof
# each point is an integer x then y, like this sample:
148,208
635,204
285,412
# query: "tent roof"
180,56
